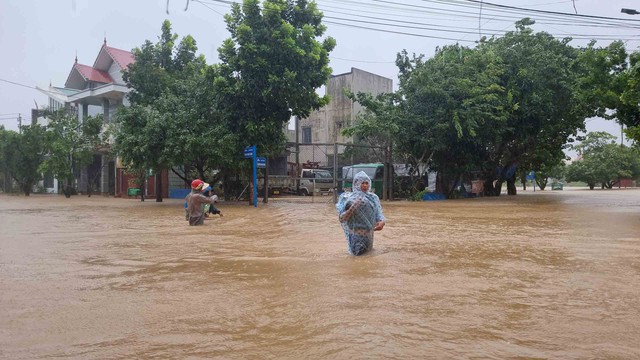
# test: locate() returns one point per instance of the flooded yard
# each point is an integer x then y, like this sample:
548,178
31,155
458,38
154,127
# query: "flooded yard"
550,274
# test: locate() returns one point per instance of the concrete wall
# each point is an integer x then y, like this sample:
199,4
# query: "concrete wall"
341,112
116,73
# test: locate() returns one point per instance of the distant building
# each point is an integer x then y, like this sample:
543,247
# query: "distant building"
324,125
91,90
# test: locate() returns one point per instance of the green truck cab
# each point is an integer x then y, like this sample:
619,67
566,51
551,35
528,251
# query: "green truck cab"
375,171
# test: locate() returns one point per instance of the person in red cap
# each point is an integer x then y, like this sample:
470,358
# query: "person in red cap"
196,200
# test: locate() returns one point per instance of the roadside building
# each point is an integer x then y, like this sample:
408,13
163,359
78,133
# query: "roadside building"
91,90
323,126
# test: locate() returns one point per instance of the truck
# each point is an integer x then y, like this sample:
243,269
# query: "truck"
312,181
375,171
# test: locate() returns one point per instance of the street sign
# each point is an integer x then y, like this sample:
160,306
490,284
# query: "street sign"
531,176
261,162
249,151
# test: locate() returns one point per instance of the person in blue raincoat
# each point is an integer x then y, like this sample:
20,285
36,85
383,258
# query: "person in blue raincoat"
360,214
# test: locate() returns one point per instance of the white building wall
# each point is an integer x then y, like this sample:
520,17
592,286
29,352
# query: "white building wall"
116,73
341,112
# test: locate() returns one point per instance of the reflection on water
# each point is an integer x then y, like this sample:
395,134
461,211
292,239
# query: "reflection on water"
539,275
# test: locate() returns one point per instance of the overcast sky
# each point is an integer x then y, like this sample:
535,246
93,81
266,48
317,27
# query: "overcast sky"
39,40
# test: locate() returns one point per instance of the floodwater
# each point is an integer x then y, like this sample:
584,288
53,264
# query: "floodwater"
539,275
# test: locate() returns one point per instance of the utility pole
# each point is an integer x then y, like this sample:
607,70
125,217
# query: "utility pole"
19,123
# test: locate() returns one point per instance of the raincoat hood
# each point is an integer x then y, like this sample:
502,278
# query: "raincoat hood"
358,179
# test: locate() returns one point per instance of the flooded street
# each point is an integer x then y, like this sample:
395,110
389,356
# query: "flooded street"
539,275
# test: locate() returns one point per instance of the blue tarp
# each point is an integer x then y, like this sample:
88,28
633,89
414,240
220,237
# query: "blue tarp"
433,196
179,193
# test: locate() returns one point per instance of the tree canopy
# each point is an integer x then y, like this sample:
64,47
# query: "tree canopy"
603,161
22,153
71,143
185,113
509,105
270,69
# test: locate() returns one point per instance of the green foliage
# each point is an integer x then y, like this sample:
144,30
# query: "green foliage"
549,170
169,107
513,101
627,111
603,161
185,113
71,143
271,66
22,153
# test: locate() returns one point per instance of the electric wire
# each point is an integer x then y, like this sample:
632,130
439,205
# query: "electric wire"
410,25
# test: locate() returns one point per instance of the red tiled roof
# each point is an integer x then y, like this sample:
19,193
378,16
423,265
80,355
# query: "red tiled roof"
92,74
122,57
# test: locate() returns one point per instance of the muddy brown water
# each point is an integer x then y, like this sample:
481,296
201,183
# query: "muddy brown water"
539,275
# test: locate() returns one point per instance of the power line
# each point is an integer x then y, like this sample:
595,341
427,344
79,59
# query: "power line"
364,61
29,87
395,6
15,83
550,12
394,32
452,5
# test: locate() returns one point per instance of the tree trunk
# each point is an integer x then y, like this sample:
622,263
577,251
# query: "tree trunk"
66,189
497,190
158,185
511,186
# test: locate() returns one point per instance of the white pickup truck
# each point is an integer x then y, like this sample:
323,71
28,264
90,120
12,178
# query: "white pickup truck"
315,181
312,181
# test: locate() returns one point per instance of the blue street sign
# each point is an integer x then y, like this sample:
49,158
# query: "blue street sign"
531,176
249,151
262,162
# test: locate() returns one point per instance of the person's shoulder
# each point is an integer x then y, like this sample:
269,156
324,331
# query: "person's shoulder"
373,196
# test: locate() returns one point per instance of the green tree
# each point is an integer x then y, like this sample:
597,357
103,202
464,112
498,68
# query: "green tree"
627,106
4,166
603,161
270,68
22,155
198,136
582,170
453,110
542,76
131,142
512,102
71,144
548,170
448,112
151,133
